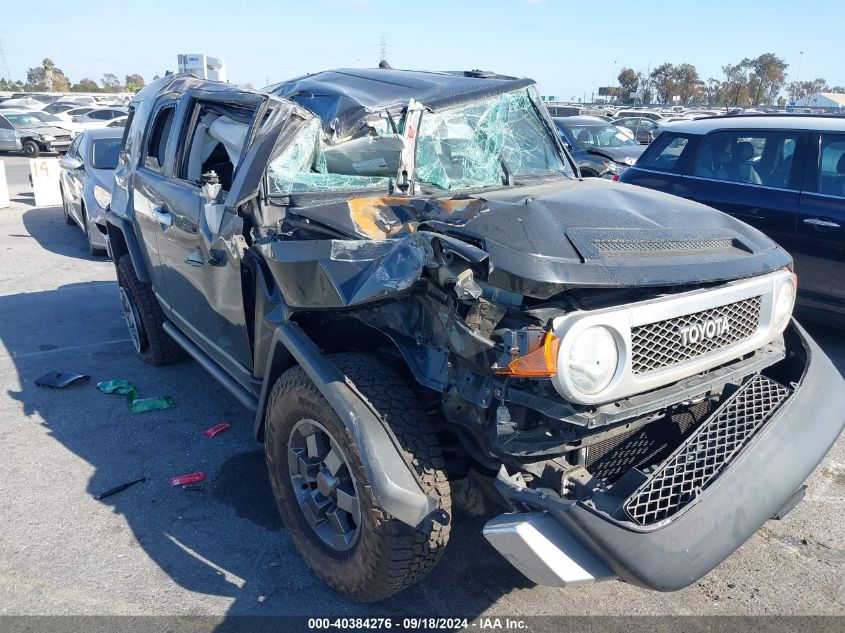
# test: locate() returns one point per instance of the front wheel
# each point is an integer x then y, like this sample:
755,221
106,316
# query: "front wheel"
31,149
321,486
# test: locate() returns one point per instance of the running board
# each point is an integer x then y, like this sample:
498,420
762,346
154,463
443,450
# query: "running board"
232,386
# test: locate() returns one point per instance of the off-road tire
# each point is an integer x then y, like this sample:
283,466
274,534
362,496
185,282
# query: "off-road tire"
388,555
30,149
157,348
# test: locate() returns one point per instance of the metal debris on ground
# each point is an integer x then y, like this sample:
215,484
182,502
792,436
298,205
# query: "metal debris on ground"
217,429
194,487
136,404
60,379
120,488
190,478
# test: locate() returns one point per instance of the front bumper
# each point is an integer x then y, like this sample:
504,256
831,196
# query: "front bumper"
754,486
59,146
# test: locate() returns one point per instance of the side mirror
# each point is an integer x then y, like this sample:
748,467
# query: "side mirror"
66,162
568,147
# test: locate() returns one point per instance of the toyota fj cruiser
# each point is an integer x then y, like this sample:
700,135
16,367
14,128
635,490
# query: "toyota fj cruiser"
403,275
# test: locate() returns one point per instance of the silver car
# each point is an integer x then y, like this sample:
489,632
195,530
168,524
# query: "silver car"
86,182
22,132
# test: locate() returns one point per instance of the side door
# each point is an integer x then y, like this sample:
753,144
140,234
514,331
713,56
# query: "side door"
753,175
152,197
7,135
820,241
203,281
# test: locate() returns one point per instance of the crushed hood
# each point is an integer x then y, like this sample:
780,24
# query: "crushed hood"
544,239
51,130
596,233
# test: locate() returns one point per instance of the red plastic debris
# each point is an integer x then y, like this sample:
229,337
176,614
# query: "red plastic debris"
187,479
217,429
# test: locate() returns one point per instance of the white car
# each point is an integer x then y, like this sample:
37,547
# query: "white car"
24,103
99,117
55,121
68,115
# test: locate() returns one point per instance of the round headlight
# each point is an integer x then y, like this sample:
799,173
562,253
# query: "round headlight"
592,360
784,303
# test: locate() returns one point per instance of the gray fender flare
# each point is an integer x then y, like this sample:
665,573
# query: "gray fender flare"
115,223
394,483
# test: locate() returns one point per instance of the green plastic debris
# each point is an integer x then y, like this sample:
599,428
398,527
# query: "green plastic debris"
136,404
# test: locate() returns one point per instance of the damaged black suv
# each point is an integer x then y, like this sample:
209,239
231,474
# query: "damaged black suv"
403,275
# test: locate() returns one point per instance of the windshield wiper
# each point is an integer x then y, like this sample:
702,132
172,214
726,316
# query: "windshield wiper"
508,179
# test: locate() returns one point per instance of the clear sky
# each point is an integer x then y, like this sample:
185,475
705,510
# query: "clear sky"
569,47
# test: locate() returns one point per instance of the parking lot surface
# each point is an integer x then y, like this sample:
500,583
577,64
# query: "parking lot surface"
223,550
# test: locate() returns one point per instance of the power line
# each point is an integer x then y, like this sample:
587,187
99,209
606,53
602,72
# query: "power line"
3,64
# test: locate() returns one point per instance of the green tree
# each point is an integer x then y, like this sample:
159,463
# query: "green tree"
685,82
663,82
11,86
47,77
768,75
800,89
629,82
85,85
134,82
110,82
713,92
644,93
735,86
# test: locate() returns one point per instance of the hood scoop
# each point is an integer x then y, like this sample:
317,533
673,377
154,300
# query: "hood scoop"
692,244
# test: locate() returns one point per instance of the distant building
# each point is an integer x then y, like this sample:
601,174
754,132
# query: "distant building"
822,100
202,66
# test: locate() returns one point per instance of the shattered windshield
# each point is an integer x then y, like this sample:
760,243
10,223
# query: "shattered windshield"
485,143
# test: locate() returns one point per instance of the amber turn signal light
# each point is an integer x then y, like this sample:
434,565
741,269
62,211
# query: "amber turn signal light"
540,363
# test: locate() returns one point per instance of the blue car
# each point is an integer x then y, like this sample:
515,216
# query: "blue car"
784,175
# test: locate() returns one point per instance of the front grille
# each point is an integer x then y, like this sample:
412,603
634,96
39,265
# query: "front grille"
611,458
661,344
623,246
697,462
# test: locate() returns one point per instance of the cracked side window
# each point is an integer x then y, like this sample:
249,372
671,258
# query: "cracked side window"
312,164
485,143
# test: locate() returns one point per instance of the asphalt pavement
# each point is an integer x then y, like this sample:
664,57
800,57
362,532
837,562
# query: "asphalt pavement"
223,550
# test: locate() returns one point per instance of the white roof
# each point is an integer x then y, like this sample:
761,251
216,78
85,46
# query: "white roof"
834,96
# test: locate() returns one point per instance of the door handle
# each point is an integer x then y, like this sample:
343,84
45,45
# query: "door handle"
163,218
820,222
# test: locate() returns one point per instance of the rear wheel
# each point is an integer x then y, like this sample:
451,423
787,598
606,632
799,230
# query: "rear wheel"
30,149
323,493
144,318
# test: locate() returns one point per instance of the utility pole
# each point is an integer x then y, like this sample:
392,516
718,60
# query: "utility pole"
383,48
4,66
